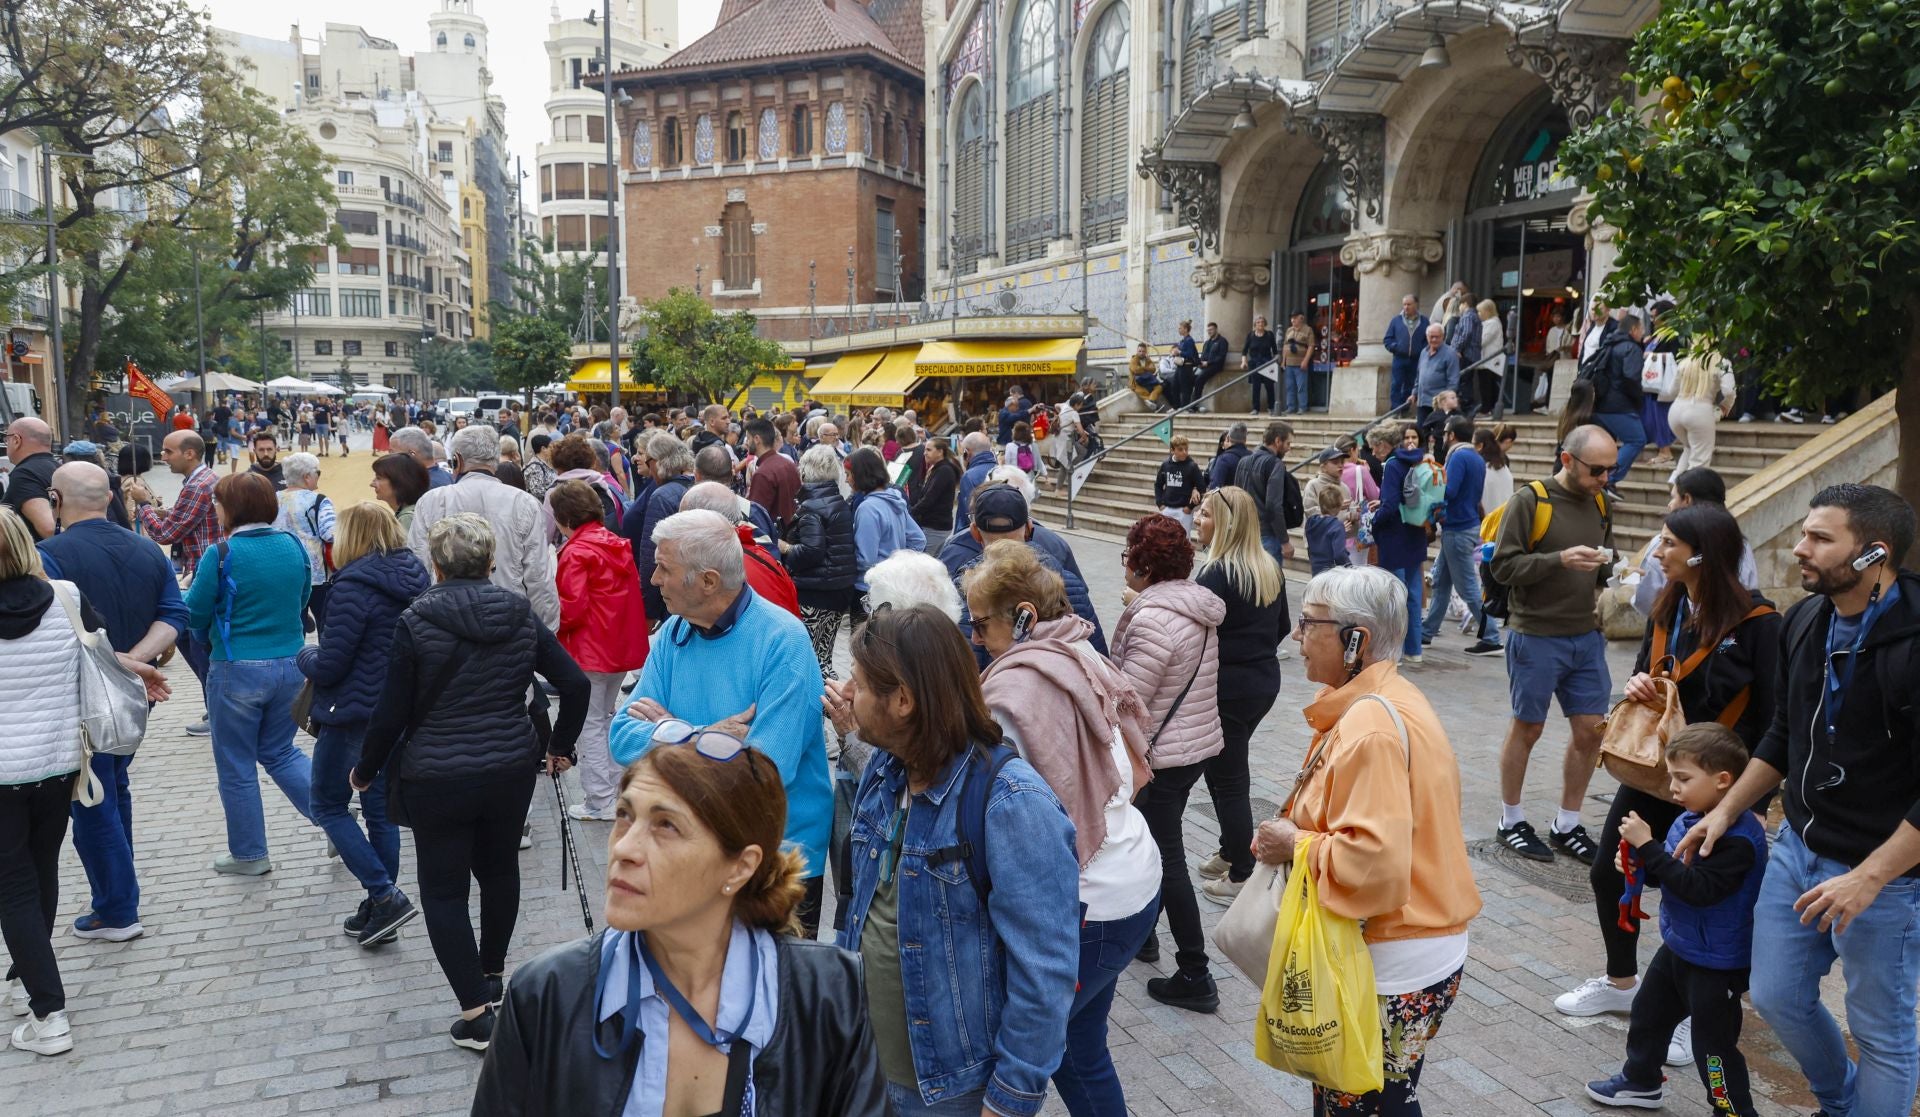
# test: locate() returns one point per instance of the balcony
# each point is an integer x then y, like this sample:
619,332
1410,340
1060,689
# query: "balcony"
400,198
406,281
402,240
30,309
18,203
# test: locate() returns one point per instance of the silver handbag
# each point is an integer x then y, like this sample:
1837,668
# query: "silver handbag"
113,700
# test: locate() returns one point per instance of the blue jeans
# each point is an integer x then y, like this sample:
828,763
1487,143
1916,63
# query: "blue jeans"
1087,1082
1631,434
1458,568
196,653
906,1102
373,857
103,837
1267,388
1297,389
1399,385
251,704
1411,579
1880,951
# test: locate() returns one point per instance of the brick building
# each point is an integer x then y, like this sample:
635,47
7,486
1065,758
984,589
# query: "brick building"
789,134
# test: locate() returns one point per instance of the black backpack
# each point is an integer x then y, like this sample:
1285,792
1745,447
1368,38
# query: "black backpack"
983,767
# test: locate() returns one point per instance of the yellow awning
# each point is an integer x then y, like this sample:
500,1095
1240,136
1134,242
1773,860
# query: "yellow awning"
890,380
591,376
846,374
1014,357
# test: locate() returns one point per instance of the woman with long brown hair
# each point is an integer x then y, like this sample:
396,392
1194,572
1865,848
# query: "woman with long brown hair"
698,997
1720,643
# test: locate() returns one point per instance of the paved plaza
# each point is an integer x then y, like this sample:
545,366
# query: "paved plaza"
245,998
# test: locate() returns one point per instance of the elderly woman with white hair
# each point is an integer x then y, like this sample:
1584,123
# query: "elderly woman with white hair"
453,736
1375,817
821,553
307,515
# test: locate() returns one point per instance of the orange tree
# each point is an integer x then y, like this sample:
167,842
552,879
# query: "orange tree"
1772,190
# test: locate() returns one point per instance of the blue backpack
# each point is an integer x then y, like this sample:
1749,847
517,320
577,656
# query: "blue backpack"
1423,493
983,767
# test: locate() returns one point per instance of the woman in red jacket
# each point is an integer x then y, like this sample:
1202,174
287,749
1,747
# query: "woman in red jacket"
603,626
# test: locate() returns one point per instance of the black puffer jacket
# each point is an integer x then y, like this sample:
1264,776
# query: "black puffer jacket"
822,555
348,667
476,725
819,1060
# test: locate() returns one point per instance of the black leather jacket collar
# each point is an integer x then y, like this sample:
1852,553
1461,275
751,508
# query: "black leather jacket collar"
820,1061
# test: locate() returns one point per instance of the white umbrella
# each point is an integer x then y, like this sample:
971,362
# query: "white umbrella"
371,391
316,388
289,384
216,382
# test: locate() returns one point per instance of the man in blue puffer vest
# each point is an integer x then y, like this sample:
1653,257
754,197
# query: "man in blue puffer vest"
1706,928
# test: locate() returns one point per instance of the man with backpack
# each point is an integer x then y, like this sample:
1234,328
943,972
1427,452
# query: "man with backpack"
1457,568
1264,476
1842,879
1614,371
1226,464
1552,552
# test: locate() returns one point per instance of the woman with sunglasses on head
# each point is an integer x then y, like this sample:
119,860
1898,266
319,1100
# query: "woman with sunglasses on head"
1079,721
698,997
962,852
1720,643
452,733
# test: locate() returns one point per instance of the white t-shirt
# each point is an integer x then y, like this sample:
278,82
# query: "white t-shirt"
1410,965
1497,489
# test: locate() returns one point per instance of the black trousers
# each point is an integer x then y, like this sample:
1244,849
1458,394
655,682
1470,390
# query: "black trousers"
1230,784
808,911
1673,990
1163,803
1622,957
462,833
33,826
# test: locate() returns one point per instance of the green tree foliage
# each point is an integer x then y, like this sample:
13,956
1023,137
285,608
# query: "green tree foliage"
1771,190
529,351
559,291
692,348
452,366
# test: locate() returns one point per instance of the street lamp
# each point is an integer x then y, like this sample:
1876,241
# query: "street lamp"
613,189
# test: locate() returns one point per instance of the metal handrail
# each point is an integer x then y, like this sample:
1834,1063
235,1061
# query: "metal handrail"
1163,416
1358,434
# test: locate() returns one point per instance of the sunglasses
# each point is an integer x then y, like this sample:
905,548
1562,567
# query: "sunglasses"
1595,470
710,743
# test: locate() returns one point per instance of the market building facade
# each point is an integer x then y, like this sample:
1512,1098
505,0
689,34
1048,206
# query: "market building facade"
1212,160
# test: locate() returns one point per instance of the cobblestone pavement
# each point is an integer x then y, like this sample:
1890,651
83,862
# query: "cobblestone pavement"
245,998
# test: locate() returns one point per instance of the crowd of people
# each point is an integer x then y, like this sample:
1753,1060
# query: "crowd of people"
996,784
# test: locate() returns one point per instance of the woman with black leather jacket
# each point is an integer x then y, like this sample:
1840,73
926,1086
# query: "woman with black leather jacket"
697,998
820,553
1720,643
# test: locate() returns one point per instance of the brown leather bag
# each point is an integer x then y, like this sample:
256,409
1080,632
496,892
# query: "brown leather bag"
1633,741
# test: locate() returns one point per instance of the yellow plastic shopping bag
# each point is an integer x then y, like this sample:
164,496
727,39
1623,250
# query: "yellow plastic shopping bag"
1319,1017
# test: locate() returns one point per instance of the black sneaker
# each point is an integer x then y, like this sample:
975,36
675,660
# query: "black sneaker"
1574,843
474,1034
1487,647
1183,990
1149,951
385,918
1521,839
496,988
357,922
1425,640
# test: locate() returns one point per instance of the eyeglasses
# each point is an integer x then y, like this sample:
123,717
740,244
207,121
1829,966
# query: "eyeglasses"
711,743
1300,626
1595,470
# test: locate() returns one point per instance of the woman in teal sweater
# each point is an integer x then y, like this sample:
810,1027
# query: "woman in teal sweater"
245,602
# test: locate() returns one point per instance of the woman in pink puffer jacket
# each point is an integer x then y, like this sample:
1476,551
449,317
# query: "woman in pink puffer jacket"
1165,642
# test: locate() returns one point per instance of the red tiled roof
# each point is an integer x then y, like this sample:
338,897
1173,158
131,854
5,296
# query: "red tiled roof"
750,30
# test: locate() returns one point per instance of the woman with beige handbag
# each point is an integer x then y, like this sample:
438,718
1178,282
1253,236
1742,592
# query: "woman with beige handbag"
1379,796
1710,653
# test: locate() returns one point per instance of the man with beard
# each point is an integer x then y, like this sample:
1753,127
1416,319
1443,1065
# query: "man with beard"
1844,879
266,451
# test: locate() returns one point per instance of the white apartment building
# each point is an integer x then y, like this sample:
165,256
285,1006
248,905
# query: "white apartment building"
571,163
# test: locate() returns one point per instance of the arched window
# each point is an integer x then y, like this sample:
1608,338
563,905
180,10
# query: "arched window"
1211,27
1032,181
736,138
440,40
1103,129
888,154
736,247
802,130
866,131
970,179
672,149
469,42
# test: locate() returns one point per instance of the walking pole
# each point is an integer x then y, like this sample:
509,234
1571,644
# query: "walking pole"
570,853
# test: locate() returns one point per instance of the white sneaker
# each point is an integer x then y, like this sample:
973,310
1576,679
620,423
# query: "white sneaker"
1284,653
1415,660
1222,890
1680,1047
47,1035
14,996
1213,868
579,812
1596,995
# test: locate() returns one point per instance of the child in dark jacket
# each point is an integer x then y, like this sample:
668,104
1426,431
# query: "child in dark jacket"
1706,927
1326,529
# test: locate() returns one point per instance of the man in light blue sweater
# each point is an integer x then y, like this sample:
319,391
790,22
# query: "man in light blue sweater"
734,662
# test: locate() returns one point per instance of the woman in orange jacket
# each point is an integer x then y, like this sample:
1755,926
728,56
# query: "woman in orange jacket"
1380,797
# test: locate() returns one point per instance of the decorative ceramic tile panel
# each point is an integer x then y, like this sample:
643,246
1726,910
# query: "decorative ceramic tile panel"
769,135
1171,295
837,128
703,139
642,146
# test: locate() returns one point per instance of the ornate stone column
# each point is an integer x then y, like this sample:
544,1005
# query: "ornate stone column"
1389,264
1232,292
1602,255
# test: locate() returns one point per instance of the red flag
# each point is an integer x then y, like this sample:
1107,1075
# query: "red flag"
139,386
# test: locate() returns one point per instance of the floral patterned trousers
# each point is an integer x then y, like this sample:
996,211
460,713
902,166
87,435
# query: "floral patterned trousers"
1408,1022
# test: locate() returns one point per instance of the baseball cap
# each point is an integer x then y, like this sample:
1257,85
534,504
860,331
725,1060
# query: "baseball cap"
999,510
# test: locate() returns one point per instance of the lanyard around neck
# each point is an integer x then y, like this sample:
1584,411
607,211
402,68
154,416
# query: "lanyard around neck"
637,956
